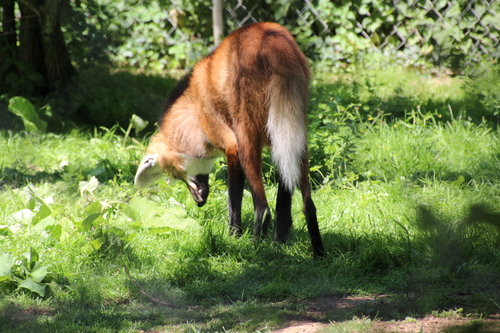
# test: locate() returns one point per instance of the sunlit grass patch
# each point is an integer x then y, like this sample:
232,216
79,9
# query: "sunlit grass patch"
407,207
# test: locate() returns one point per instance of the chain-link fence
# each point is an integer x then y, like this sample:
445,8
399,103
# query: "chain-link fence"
434,29
432,15
453,33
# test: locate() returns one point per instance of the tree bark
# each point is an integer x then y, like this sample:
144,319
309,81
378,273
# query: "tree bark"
57,59
42,42
31,51
8,24
8,48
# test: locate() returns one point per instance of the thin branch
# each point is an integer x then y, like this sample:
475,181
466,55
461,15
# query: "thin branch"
33,8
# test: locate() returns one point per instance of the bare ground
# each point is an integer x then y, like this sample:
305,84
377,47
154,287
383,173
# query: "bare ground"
342,314
332,306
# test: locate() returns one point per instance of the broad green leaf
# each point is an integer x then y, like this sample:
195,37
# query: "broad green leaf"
99,170
187,224
38,273
176,212
23,108
55,231
94,208
169,218
87,222
32,203
97,243
24,216
159,222
129,236
6,263
44,223
42,213
453,12
88,186
138,123
141,209
32,256
174,218
33,286
66,228
29,259
364,10
5,278
161,230
5,230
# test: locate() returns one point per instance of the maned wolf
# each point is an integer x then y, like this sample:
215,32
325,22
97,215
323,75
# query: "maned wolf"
251,92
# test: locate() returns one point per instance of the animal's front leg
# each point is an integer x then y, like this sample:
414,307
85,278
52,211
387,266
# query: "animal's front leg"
236,182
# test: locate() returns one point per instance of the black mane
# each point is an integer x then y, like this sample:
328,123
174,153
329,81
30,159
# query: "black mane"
178,90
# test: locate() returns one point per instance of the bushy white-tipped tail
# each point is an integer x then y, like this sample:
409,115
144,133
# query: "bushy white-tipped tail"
287,127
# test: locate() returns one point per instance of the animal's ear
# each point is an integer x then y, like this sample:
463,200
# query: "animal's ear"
149,171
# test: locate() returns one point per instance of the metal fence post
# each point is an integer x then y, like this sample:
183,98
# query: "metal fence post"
218,23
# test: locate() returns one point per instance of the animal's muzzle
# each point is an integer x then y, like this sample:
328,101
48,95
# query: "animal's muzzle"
199,188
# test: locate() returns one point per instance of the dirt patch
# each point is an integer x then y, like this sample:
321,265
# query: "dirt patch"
302,328
321,314
432,324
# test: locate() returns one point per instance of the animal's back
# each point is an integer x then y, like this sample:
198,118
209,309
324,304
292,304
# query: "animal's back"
240,69
258,79
270,75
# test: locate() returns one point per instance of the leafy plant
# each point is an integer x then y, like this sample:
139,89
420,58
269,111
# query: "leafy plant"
26,111
25,272
147,214
70,197
18,78
117,97
138,124
331,145
159,35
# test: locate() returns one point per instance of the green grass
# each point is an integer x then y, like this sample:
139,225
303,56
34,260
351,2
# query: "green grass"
408,207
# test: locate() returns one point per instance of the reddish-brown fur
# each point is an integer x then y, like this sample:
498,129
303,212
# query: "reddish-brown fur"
249,93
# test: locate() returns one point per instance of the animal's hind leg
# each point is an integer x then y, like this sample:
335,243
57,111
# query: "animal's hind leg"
283,213
250,154
309,210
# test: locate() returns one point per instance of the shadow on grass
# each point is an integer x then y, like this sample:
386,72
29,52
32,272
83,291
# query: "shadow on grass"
396,93
80,316
104,170
17,177
487,326
237,284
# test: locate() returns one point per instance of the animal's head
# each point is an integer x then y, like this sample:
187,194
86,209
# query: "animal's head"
161,160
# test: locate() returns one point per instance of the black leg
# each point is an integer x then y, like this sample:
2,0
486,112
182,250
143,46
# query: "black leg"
312,225
283,213
309,210
250,156
236,182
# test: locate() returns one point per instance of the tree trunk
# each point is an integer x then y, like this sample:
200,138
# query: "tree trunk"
31,51
8,50
42,42
57,59
8,25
